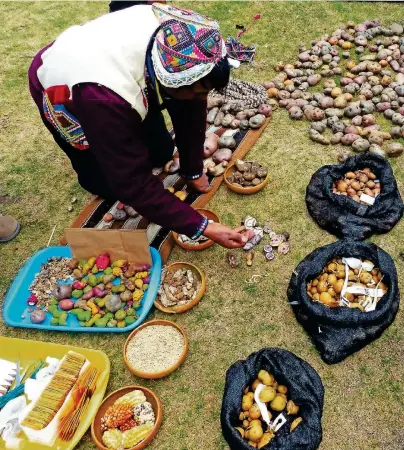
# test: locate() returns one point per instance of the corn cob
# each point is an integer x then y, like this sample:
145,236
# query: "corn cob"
116,415
144,413
132,399
113,439
135,435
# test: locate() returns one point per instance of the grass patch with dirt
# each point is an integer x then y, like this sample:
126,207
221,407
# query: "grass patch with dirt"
364,407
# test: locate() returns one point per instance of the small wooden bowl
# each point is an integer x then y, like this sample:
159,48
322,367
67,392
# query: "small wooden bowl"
243,190
210,215
151,397
180,309
163,373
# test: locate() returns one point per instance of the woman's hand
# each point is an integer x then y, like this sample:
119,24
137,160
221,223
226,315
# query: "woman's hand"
201,184
226,236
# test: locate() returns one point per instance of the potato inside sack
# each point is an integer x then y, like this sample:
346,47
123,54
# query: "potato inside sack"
348,282
266,407
362,186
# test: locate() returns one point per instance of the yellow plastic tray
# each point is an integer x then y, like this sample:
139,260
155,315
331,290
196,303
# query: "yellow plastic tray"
29,352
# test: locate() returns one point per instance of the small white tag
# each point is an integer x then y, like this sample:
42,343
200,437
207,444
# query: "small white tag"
367,199
262,406
353,263
365,291
279,422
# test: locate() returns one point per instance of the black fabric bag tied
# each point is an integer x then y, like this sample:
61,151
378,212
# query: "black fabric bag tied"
340,332
344,217
304,388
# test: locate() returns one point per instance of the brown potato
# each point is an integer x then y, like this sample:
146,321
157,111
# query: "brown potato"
332,279
338,286
369,192
331,267
342,186
332,292
322,287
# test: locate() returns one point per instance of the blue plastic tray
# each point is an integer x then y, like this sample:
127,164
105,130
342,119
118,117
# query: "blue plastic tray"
15,308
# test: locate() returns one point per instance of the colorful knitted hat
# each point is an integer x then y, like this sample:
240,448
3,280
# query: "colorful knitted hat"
187,46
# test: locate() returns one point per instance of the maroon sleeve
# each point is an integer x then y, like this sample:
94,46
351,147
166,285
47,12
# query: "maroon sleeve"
113,130
189,122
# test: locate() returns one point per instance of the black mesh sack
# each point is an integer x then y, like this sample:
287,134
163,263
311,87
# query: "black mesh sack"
304,388
339,332
345,217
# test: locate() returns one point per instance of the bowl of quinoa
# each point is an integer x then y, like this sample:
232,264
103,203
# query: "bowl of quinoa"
155,349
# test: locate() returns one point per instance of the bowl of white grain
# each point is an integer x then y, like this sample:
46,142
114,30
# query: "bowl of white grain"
155,349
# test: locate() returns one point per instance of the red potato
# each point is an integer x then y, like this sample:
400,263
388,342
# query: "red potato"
224,154
210,145
265,109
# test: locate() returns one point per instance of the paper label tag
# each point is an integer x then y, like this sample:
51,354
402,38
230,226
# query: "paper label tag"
365,291
367,199
278,422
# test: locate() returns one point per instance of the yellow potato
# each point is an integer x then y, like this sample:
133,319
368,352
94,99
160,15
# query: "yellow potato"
266,439
266,378
241,431
338,286
267,394
255,433
278,403
255,412
282,389
246,403
332,279
322,286
255,384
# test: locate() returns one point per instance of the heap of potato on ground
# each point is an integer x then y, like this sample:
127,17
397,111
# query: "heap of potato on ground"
354,87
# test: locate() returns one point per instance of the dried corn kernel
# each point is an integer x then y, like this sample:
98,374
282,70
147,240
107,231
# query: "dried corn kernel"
116,415
113,439
135,435
132,398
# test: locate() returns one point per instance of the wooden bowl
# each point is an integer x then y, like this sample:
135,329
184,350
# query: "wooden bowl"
151,397
243,190
210,215
180,309
163,373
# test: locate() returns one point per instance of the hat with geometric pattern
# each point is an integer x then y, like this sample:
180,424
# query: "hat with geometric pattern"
187,46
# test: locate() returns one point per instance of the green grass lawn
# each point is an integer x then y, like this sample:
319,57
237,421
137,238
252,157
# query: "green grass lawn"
364,406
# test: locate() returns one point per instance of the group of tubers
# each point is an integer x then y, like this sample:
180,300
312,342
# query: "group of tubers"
273,397
328,287
103,294
247,173
218,151
368,84
359,186
242,105
179,287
